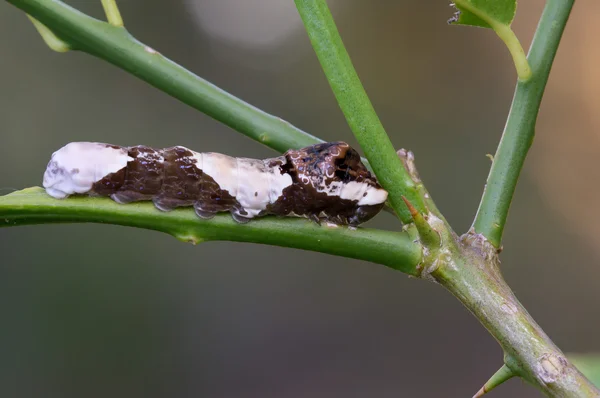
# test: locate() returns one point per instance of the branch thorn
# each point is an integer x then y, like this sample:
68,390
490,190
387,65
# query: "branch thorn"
51,40
503,374
428,235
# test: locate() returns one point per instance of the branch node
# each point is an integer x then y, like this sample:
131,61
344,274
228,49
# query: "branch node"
408,161
194,240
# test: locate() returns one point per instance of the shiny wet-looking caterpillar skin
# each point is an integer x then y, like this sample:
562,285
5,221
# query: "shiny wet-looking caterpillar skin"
324,182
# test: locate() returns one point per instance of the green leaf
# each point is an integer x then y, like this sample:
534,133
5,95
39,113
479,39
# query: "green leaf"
589,365
481,12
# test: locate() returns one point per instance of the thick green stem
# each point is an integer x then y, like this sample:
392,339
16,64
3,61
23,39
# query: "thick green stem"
469,269
520,127
115,45
393,249
357,108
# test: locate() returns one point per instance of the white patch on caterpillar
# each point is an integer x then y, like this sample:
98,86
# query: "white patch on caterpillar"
223,169
253,186
355,191
277,181
374,196
77,166
365,194
249,181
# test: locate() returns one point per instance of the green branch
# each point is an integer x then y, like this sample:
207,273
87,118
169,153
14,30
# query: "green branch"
520,127
393,249
115,45
469,269
357,108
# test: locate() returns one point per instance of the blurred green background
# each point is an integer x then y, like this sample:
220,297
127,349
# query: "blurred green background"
99,310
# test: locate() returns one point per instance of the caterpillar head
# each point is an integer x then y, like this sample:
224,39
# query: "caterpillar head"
345,189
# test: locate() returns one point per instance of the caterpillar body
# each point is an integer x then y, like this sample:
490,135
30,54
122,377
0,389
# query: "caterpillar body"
324,182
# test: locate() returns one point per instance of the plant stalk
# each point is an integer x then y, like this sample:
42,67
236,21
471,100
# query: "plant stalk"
520,126
357,107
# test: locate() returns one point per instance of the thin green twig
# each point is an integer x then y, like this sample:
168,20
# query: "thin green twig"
357,108
393,249
507,35
113,15
520,127
115,45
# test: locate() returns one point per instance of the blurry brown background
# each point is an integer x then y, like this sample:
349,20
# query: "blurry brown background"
99,310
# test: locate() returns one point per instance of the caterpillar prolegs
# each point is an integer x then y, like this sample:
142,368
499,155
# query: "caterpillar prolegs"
324,182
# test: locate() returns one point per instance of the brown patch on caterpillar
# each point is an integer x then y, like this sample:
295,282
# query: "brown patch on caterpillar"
141,179
144,175
182,180
109,184
170,178
212,199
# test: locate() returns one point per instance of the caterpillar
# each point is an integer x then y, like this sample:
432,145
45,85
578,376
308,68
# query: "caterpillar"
325,182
